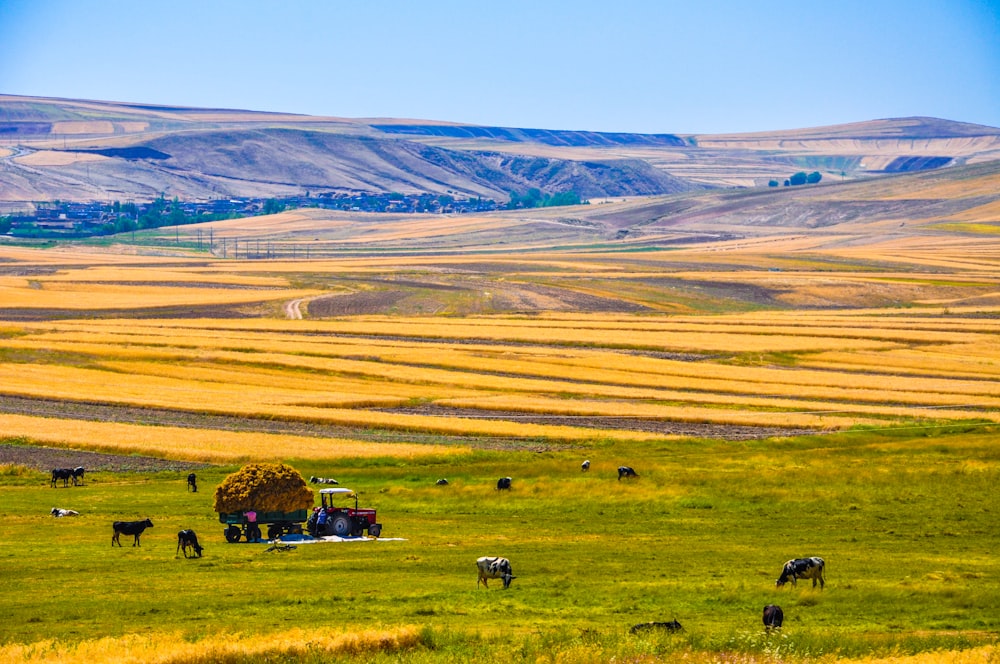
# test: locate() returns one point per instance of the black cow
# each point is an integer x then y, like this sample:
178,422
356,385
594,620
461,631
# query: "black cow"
133,528
672,626
503,484
585,466
493,567
773,617
802,568
64,474
192,483
625,471
185,539
77,475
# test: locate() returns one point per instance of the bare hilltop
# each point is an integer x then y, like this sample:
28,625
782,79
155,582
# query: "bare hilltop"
76,150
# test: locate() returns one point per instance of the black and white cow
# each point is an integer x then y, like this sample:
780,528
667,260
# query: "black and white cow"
192,484
323,480
669,626
57,512
585,466
773,617
493,567
441,482
503,484
185,539
78,475
802,568
625,471
133,528
64,474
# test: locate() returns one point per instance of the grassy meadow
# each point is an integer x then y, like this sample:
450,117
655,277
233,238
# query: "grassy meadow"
786,395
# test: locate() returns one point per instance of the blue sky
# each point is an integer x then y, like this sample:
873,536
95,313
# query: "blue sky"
705,66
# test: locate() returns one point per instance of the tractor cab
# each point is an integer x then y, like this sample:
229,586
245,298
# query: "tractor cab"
336,516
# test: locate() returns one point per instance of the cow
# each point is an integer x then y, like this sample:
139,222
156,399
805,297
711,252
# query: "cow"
492,567
192,484
64,474
585,466
133,528
185,539
77,475
672,626
441,482
60,512
323,480
802,568
773,617
503,484
625,471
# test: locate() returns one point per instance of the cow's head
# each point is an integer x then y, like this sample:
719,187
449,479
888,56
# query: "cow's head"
507,578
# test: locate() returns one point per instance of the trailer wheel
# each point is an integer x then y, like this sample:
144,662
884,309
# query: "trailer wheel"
232,534
341,525
274,531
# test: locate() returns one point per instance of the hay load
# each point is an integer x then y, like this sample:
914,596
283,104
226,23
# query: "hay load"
264,487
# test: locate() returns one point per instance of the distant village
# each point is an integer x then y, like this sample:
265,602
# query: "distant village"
71,219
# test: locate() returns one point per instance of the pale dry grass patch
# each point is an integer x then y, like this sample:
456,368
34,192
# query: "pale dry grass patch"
175,648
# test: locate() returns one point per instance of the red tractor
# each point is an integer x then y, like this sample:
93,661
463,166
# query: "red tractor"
329,519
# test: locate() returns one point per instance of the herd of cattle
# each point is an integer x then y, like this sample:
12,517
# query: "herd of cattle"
488,567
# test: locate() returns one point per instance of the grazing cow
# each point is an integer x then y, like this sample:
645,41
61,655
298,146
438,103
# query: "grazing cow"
77,475
492,567
133,528
503,484
323,480
192,483
442,482
585,466
64,474
773,617
185,539
802,568
625,471
672,626
59,512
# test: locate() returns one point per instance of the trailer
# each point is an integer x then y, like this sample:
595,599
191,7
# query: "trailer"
247,524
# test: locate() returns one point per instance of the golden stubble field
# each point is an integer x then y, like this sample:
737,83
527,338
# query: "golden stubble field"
516,351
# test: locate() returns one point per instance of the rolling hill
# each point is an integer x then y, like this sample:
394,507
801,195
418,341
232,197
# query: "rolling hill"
90,150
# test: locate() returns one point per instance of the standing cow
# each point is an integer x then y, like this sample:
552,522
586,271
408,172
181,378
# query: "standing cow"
773,617
185,539
626,472
64,474
503,484
133,528
492,567
192,483
802,568
585,466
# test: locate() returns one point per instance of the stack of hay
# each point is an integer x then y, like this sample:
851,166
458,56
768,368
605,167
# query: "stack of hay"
264,487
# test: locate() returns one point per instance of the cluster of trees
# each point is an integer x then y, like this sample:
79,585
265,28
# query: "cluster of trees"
158,213
535,198
799,178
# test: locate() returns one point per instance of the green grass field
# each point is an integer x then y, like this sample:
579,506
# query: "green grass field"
906,520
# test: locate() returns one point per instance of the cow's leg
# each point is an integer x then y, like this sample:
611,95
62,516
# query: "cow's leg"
115,540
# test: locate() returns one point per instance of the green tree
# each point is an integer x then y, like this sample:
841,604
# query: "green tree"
814,177
798,178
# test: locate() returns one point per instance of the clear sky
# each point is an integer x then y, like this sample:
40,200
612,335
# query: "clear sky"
685,66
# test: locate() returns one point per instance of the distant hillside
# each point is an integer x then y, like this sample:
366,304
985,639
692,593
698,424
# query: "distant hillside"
81,150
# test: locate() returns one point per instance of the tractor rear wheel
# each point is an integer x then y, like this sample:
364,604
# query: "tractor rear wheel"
341,525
